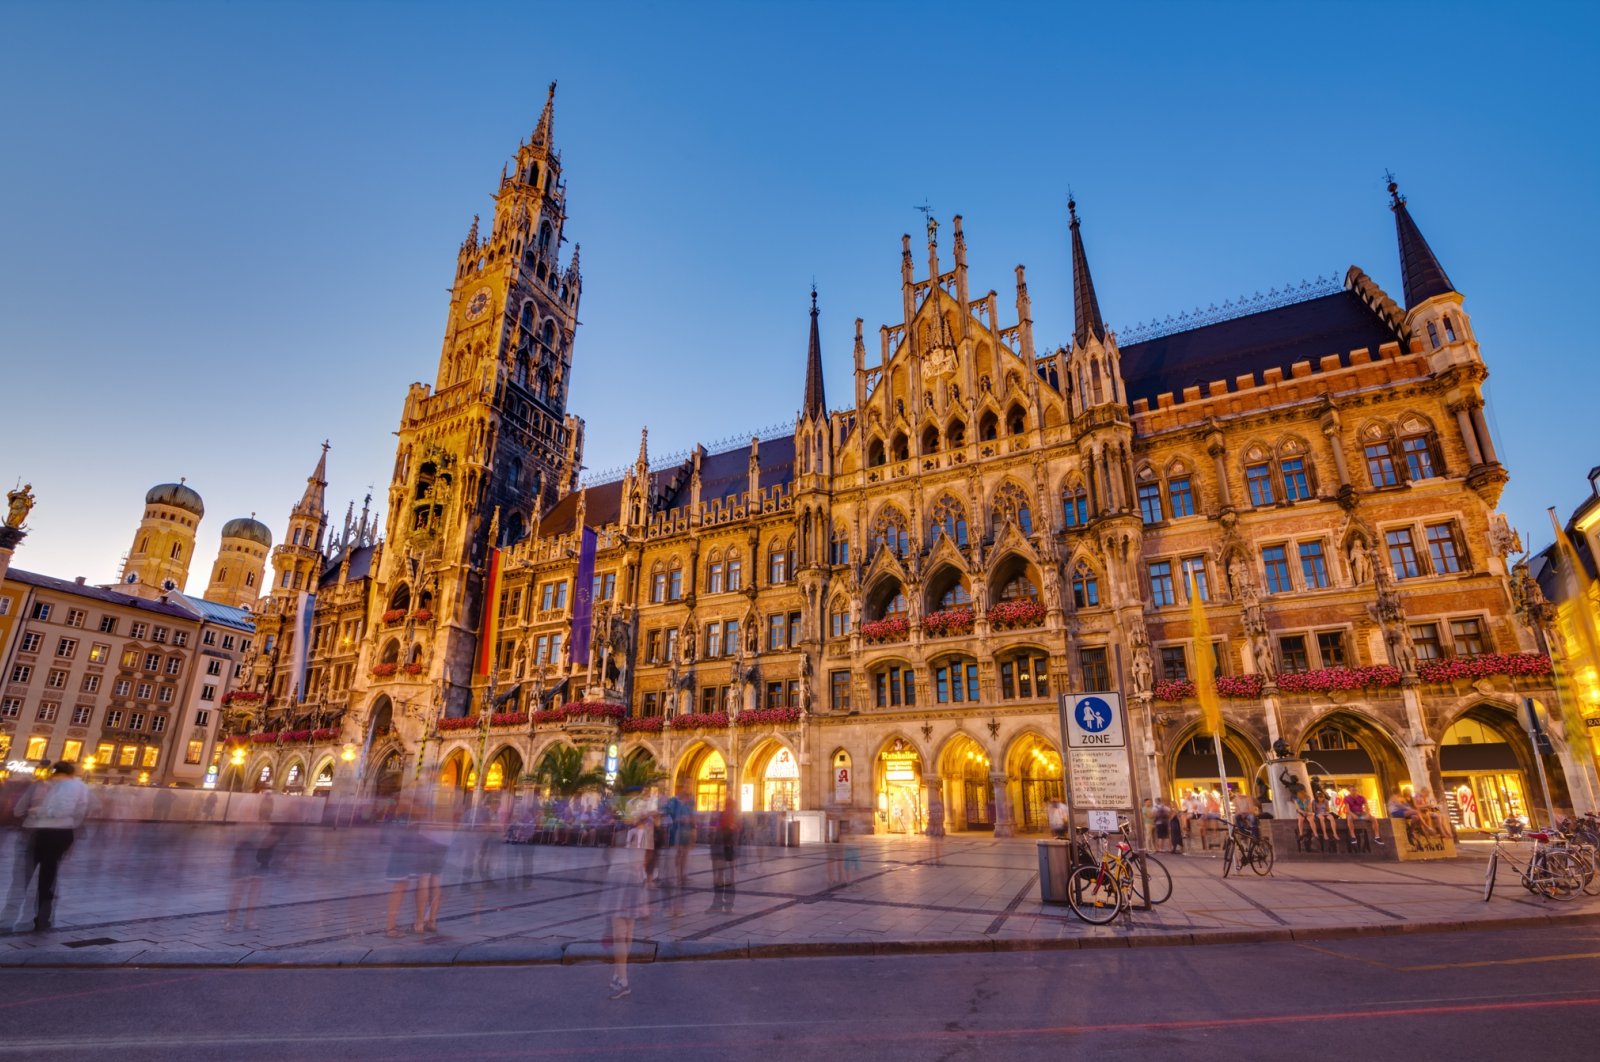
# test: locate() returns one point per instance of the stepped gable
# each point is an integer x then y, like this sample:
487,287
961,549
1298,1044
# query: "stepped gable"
724,476
1277,338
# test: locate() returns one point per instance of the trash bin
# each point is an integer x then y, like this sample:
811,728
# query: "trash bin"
833,830
791,834
1055,865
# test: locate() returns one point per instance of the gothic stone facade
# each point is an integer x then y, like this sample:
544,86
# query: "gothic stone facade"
901,589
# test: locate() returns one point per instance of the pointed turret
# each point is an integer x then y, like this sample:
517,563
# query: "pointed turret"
1420,272
816,403
1085,306
542,132
312,501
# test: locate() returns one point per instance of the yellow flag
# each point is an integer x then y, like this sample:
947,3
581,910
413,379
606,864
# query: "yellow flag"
1205,661
1576,618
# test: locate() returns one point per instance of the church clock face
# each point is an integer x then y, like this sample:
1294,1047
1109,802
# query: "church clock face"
479,303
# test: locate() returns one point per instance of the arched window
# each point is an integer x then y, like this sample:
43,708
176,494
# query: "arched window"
547,335
1449,329
839,546
177,550
988,426
889,531
714,573
525,319
250,578
930,440
901,448
1085,587
780,563
875,453
1419,446
1016,421
546,235
1020,588
956,434
838,618
955,681
735,567
1011,503
955,597
1433,335
950,519
894,686
222,574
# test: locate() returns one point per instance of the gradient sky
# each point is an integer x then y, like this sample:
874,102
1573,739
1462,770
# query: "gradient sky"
227,230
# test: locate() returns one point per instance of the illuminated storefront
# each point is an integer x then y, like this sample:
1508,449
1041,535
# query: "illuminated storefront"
780,782
1194,765
707,773
1484,782
900,788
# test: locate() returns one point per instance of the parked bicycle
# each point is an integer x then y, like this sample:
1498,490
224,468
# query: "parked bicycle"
1245,847
1548,871
1107,877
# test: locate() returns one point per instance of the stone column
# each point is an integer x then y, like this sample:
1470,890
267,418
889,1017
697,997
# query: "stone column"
1003,826
1485,443
1468,436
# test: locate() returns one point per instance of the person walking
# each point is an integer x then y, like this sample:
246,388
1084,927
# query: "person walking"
626,899
1056,814
678,818
53,819
1175,829
724,853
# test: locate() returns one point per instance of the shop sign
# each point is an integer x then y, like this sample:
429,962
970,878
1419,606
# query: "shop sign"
900,762
611,764
1593,720
783,766
841,785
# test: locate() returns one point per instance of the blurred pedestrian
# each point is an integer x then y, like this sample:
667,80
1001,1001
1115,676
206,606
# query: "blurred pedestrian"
1175,829
626,899
724,855
54,816
678,817
1055,813
19,794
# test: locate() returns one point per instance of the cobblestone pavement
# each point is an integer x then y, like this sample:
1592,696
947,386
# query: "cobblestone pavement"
147,894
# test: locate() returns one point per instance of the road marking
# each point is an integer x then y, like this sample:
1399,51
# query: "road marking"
1499,962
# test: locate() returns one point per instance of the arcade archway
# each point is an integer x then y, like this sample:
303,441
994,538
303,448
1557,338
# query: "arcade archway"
705,772
1192,765
772,776
969,796
1348,753
1034,775
1486,764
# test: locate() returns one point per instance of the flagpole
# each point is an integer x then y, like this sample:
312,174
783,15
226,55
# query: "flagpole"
1205,685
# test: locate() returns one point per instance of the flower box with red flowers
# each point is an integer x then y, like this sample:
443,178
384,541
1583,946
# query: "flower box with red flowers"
893,629
949,621
384,670
509,719
1485,665
1008,615
393,616
648,724
242,696
422,615
326,733
460,722
294,735
1340,679
768,716
1239,687
593,710
265,739
699,720
1173,690
413,668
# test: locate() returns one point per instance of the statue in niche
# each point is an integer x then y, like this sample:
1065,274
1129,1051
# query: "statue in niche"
1143,669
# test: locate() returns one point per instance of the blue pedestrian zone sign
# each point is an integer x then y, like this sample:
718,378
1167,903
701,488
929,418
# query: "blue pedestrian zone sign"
1095,721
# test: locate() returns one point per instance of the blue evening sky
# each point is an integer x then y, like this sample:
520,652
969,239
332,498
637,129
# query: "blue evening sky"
227,230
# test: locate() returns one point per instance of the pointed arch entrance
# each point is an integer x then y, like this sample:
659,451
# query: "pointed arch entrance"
899,787
969,796
1034,777
774,771
1193,762
1349,753
1487,767
704,771
390,775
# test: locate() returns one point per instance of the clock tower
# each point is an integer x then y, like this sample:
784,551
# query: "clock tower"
490,446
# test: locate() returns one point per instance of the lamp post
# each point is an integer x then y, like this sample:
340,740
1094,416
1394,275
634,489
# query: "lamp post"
236,759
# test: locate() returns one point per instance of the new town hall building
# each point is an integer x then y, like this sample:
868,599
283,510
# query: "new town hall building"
891,597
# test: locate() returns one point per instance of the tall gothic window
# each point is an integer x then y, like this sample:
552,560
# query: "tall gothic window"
1011,503
950,519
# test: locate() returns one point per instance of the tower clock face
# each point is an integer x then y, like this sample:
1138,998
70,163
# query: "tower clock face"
479,303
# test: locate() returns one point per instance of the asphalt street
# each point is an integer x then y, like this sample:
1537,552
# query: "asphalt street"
1509,994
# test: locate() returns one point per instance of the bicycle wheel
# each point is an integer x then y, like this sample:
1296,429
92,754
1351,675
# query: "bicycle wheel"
1094,896
1566,879
1261,856
1227,856
1160,879
1591,881
1488,877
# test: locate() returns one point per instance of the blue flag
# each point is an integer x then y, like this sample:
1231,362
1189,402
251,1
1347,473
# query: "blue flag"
583,603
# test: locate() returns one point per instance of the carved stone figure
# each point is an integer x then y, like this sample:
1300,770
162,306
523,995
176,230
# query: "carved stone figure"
805,683
687,640
1360,562
19,505
1143,669
1502,539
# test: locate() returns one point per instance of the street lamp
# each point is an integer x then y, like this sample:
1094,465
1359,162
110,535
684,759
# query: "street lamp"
236,758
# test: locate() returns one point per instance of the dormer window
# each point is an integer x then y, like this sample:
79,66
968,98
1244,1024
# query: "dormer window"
1449,329
1433,335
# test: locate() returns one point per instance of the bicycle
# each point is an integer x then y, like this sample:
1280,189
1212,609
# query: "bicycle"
1139,866
1246,847
1576,839
1549,872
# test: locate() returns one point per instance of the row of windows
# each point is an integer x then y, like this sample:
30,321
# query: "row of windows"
228,641
954,681
139,630
1308,650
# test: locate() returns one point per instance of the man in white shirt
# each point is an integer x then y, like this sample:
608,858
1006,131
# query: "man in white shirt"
53,816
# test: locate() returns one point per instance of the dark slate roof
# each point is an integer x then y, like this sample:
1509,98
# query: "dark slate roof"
1420,270
223,615
1277,338
723,475
97,593
360,566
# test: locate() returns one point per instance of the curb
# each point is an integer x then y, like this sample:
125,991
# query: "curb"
590,951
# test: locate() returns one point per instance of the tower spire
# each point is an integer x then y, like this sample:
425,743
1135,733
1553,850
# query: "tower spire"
311,503
541,132
1420,272
815,401
1085,306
